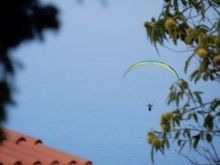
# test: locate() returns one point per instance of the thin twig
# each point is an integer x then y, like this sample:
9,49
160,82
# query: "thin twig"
179,51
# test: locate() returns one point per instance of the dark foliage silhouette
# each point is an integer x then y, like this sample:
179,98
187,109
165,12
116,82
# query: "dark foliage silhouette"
21,20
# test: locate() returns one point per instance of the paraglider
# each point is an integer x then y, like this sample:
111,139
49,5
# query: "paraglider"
150,106
154,63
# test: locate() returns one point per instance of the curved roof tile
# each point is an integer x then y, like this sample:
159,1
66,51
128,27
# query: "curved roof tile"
9,160
21,149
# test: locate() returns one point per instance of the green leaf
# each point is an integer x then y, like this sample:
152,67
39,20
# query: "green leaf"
171,97
214,105
190,144
187,63
201,112
177,134
208,137
203,28
193,75
216,3
176,5
152,154
188,133
203,11
182,146
195,117
184,107
177,99
197,94
217,114
208,123
192,126
205,76
211,77
204,65
184,2
166,142
179,142
161,150
189,116
198,76
196,141
177,120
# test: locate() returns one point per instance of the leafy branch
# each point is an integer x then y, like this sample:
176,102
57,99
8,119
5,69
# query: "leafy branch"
189,22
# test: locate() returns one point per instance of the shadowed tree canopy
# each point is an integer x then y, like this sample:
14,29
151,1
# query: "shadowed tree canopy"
21,20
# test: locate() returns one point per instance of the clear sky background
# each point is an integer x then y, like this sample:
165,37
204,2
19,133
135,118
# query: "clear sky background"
72,95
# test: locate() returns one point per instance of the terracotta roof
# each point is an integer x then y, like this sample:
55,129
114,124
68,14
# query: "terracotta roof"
20,149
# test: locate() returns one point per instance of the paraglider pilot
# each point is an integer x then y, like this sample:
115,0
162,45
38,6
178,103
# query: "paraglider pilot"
150,106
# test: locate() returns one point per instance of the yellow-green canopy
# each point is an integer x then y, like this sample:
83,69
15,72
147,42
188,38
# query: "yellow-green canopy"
154,63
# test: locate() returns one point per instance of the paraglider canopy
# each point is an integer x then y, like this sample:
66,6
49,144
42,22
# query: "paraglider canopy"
154,63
